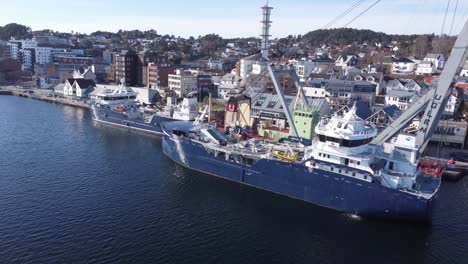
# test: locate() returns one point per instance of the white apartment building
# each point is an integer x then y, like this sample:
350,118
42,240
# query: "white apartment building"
303,67
43,55
246,65
26,58
12,50
183,83
26,44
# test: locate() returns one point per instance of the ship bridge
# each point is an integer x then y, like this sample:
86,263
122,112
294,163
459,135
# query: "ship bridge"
348,130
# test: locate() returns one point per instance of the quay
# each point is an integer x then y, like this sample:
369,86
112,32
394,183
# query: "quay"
42,95
5,92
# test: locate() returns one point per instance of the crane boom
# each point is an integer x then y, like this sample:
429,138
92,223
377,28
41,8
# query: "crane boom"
275,74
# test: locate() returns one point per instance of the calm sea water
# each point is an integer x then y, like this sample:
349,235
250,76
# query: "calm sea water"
72,191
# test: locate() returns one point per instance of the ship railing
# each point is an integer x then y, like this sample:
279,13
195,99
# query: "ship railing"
398,173
318,146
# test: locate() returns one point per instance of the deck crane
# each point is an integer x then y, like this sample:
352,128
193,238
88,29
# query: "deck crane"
433,102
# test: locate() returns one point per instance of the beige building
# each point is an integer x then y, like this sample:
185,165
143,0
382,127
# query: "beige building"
238,112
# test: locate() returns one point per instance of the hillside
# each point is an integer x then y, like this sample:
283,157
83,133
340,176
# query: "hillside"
349,35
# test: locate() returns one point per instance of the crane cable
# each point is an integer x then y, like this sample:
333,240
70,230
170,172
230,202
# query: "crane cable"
362,13
445,17
453,19
336,19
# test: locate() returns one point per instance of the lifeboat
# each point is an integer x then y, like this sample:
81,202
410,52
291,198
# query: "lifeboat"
284,156
120,109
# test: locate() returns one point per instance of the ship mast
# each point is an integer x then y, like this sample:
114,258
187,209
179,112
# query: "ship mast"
434,101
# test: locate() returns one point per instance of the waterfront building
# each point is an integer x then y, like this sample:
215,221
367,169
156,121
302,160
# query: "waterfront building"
80,88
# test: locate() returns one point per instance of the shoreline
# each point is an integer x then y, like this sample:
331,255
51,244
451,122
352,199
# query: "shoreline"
41,95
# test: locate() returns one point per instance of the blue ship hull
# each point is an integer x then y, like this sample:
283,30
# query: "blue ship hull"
109,117
318,187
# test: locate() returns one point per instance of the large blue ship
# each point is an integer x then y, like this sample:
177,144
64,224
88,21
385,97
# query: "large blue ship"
341,170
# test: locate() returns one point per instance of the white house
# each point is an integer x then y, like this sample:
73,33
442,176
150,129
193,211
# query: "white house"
425,68
401,93
403,66
84,73
345,61
78,87
437,59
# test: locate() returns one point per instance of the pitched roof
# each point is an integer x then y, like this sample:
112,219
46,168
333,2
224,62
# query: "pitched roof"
404,60
84,83
71,80
392,111
362,109
433,55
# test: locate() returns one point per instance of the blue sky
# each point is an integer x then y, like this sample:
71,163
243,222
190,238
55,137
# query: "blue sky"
229,18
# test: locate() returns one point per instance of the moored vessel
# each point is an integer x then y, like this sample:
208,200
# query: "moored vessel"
119,107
